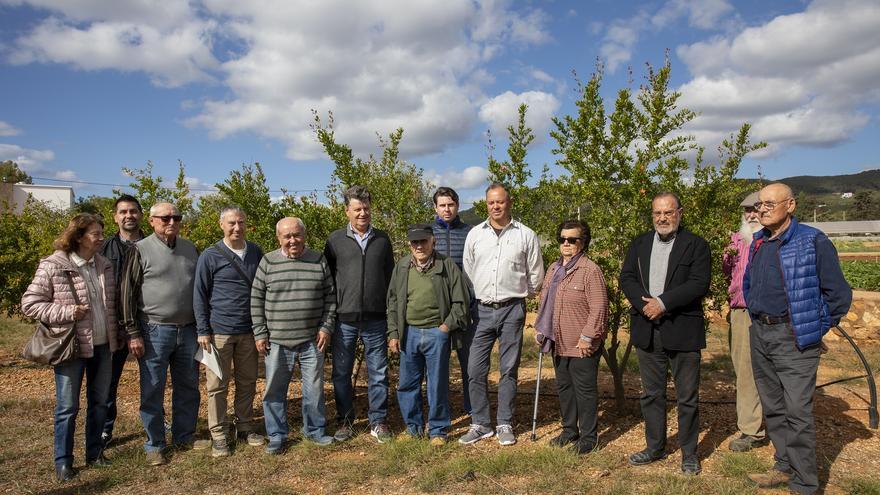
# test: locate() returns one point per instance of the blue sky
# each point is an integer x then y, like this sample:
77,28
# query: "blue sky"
89,87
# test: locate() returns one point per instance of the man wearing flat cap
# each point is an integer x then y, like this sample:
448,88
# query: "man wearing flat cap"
427,312
749,417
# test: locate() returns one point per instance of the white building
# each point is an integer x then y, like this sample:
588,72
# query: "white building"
59,197
846,195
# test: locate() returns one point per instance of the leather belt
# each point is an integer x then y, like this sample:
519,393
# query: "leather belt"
502,304
772,320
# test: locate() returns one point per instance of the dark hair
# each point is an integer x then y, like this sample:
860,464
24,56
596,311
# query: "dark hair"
445,191
498,185
127,198
357,192
68,241
664,194
576,224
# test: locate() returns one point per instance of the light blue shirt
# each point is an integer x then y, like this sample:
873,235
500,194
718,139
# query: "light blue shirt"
361,240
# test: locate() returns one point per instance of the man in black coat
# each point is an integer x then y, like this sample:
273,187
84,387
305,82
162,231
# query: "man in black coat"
665,277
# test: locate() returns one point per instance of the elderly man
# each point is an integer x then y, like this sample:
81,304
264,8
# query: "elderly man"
748,405
222,300
156,298
450,233
127,214
361,260
293,306
795,292
502,257
427,308
665,276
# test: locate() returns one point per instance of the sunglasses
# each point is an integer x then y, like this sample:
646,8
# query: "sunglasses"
570,240
168,218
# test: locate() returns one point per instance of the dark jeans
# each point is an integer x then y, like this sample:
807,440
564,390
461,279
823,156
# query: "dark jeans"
463,352
578,396
68,384
506,326
786,380
373,333
653,363
119,358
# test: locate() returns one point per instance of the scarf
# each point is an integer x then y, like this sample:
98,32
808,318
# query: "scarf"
544,322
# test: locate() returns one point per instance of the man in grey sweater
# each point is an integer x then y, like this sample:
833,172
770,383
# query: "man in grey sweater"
293,307
156,293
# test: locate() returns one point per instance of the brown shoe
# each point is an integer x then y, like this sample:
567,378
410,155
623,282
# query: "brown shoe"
771,479
156,458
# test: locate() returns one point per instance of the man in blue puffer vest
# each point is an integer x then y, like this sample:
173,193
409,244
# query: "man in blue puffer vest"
450,233
795,292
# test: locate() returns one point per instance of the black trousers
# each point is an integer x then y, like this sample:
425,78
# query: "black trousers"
786,380
653,363
578,396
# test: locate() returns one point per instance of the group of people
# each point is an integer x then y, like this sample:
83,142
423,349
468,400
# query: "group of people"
460,288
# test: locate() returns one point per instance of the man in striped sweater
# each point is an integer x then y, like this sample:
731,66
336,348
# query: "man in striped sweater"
293,307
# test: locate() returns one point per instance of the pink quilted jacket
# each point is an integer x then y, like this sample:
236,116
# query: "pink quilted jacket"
48,299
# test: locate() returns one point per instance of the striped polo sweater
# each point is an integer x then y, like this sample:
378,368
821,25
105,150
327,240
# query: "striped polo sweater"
292,299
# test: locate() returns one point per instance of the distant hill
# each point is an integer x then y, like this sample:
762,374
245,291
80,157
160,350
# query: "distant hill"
831,184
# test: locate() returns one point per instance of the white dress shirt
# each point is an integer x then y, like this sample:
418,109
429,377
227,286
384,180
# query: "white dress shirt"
505,266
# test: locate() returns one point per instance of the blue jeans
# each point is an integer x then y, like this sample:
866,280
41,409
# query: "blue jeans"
373,333
164,346
425,350
68,382
279,369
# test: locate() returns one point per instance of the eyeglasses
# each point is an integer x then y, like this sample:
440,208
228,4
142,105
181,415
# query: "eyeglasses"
168,218
770,205
570,240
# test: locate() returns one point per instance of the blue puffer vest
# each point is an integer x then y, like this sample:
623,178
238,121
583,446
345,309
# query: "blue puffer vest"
450,238
810,316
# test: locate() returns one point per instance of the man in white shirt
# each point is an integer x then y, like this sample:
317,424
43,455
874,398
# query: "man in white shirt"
502,258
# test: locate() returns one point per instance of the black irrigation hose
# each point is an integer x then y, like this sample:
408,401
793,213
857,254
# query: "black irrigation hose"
873,418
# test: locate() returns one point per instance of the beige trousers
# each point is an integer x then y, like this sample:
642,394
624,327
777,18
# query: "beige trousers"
749,415
238,358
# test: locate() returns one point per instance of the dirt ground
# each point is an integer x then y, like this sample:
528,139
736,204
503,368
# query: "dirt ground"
848,451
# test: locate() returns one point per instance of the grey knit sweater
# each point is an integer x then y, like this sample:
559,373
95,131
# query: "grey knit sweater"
292,299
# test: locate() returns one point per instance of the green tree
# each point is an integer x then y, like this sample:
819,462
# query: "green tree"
248,189
10,173
616,163
150,190
25,239
101,206
400,195
864,206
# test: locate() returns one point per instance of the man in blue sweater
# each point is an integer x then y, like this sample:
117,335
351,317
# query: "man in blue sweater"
221,302
450,233
795,291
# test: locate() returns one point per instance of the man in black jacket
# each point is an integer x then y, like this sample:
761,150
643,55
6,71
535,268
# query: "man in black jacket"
665,277
361,260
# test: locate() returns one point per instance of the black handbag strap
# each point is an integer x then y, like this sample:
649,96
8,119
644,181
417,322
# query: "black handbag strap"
231,259
72,288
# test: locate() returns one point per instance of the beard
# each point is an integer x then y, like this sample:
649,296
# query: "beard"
746,230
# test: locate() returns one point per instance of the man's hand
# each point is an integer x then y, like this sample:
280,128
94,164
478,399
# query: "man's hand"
652,308
205,342
322,340
394,345
262,346
585,348
136,347
444,328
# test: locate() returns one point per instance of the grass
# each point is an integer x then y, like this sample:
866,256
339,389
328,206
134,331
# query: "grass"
861,486
844,246
862,275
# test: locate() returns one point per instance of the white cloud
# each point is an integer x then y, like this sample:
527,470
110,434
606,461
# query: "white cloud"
503,111
34,162
7,129
702,14
468,178
799,79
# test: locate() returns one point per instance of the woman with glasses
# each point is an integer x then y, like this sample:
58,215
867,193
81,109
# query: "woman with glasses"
572,322
75,287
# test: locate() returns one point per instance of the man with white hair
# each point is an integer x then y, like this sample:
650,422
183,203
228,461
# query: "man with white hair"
749,416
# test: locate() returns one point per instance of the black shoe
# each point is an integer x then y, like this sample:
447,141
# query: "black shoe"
690,465
584,448
65,472
100,461
563,439
645,457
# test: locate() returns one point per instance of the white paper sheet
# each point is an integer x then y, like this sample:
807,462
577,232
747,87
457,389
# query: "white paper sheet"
210,360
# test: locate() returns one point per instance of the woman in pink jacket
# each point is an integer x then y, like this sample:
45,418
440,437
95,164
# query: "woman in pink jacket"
49,298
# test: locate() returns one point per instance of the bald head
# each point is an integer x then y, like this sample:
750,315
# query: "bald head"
291,234
777,206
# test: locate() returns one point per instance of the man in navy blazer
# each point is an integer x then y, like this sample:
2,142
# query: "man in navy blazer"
665,277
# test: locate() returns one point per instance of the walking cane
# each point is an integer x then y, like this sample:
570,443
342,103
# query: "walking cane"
537,394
